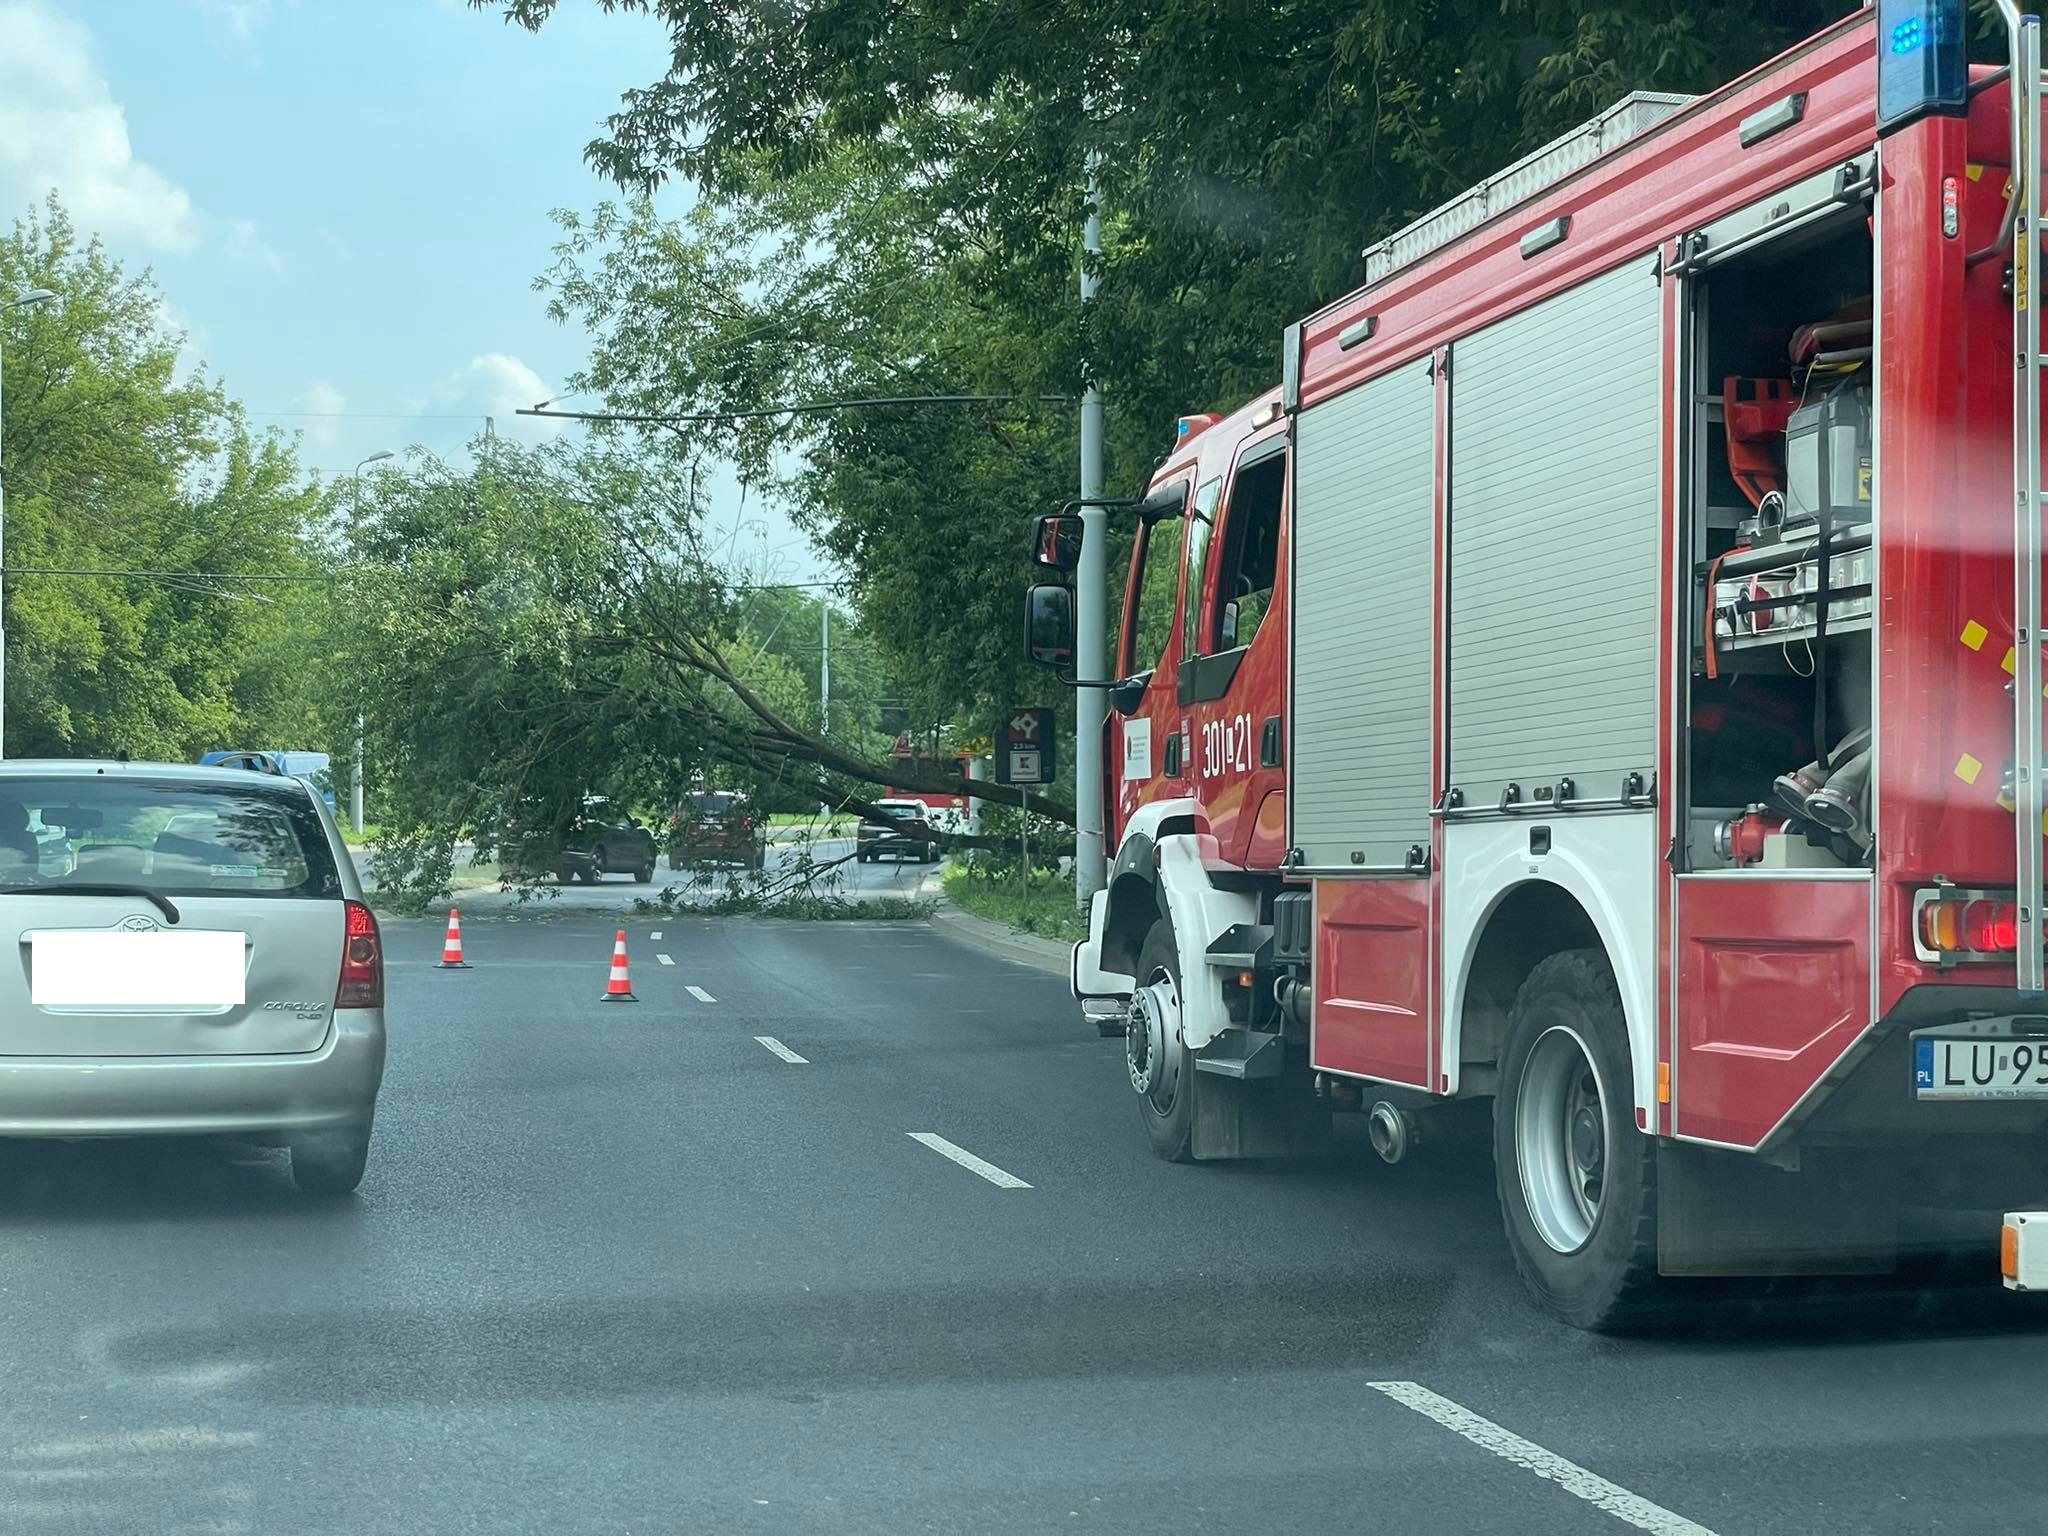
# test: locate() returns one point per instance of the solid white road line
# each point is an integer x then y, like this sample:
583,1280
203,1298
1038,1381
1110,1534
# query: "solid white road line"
700,994
664,959
655,935
779,1049
968,1160
1570,1476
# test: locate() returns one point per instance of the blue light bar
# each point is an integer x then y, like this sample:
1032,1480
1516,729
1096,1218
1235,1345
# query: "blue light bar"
1923,63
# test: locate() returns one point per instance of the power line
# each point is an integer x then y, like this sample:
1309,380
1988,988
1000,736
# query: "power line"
171,576
812,408
376,415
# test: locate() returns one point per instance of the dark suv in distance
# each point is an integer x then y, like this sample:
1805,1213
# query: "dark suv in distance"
715,826
605,841
599,841
876,838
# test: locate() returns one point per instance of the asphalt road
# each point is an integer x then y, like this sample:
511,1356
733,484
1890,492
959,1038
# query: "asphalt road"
625,1268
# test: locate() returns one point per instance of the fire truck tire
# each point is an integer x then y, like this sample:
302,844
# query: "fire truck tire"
1577,1181
1156,1058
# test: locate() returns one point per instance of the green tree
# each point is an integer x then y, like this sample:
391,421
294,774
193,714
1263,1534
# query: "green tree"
540,624
891,201
116,464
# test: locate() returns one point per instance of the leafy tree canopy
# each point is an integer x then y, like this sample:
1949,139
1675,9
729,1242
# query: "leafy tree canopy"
891,200
114,462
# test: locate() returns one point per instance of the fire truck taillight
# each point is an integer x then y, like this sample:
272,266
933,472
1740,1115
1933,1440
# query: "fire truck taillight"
1950,926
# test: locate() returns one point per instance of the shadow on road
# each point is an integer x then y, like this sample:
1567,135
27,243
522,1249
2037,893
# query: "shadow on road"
813,1341
52,1183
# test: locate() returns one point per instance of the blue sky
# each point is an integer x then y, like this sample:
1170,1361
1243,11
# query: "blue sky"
345,201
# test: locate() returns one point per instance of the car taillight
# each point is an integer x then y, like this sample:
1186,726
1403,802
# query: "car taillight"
362,961
1957,927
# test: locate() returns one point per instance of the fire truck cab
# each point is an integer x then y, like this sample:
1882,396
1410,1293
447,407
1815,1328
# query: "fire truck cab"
1605,678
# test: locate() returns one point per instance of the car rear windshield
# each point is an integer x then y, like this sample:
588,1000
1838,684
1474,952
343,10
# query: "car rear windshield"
713,804
239,837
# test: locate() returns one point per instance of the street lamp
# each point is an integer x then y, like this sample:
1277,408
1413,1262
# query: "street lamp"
33,296
355,780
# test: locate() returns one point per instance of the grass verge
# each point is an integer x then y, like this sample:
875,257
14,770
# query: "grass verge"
1043,906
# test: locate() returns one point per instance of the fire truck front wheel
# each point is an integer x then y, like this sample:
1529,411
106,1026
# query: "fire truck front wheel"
1160,1070
1577,1180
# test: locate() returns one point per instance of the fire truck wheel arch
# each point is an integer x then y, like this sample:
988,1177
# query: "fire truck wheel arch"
1198,912
1132,899
1496,892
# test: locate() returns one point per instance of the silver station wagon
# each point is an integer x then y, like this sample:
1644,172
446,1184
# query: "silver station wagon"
192,957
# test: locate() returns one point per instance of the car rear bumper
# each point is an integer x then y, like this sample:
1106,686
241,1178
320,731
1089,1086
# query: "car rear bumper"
892,845
328,1089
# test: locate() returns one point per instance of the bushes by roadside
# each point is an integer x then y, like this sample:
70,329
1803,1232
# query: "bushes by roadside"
1043,904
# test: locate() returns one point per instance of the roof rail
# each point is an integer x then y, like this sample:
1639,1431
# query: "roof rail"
1569,152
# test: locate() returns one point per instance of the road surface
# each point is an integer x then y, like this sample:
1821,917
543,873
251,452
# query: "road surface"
844,1227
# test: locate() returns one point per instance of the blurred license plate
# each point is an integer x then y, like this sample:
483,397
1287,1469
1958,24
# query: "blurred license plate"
87,969
1980,1068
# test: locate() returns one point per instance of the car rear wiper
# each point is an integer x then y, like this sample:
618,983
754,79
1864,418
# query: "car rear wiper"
156,898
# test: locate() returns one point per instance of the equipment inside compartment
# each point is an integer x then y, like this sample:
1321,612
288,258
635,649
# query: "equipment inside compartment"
1778,760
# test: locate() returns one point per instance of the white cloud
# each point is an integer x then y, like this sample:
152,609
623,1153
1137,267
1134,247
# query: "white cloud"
322,422
193,340
496,384
247,248
61,128
237,20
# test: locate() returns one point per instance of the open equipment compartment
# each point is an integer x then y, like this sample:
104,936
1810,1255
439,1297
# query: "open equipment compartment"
1776,534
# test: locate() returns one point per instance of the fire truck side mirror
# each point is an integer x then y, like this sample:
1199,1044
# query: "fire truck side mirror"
1049,625
1056,541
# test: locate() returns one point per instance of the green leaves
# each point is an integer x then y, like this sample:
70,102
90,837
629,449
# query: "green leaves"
115,463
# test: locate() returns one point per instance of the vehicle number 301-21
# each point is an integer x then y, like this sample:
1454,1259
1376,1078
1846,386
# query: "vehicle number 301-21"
1227,745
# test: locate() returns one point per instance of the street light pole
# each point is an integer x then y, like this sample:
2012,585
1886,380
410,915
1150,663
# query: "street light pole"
1091,589
33,296
355,779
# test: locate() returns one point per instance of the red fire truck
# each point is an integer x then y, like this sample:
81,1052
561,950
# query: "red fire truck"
1604,679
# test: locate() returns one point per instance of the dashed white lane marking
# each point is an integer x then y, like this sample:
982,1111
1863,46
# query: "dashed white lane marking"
1568,1475
778,1048
700,994
664,959
968,1160
655,935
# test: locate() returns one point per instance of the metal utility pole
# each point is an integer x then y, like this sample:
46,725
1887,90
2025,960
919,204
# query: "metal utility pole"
1091,595
33,296
355,779
825,669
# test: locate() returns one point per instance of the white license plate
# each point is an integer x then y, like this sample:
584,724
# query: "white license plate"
71,968
1980,1068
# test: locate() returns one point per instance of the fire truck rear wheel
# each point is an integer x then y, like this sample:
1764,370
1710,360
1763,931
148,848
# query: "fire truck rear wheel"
1161,1072
1577,1181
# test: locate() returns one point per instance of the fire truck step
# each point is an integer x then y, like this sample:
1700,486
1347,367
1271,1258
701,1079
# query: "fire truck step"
1241,947
1242,1053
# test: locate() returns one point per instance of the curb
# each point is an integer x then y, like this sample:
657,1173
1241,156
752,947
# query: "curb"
1004,942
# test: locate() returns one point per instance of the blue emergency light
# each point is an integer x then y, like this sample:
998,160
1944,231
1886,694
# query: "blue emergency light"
1923,62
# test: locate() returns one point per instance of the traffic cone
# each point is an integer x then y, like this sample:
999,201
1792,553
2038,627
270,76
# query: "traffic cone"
620,988
451,947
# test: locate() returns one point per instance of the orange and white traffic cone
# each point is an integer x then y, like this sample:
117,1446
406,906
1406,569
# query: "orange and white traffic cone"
620,988
451,947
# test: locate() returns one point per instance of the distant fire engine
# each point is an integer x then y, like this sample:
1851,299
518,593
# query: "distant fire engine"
1604,678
